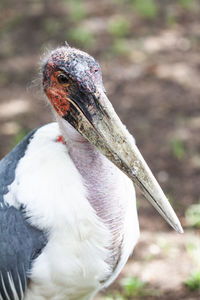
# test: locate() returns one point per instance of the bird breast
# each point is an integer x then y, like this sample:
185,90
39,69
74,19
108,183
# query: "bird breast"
88,209
112,196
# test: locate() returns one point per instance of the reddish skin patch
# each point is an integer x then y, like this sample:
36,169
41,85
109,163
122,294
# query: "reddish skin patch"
81,68
56,93
60,139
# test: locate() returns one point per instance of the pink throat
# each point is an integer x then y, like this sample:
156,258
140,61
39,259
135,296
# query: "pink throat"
103,181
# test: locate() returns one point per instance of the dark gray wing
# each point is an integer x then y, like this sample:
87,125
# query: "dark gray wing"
20,243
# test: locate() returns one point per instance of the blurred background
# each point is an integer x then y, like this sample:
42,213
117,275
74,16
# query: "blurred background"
149,54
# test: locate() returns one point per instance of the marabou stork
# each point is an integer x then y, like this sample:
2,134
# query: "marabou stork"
68,219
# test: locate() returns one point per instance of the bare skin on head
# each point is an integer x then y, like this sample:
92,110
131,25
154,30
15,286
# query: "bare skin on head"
73,83
67,71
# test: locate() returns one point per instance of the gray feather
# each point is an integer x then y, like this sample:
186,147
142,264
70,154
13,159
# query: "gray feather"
20,242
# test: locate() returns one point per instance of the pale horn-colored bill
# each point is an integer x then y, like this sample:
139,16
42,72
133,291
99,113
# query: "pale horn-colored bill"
105,130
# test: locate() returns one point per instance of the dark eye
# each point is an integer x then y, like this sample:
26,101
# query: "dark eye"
62,78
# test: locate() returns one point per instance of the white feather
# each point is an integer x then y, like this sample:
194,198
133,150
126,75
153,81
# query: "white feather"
74,264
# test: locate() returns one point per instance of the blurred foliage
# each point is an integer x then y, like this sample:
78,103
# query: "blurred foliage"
10,24
164,245
133,286
171,200
19,136
119,27
81,36
188,4
66,21
178,149
192,215
193,249
147,8
129,287
193,282
120,48
52,26
77,10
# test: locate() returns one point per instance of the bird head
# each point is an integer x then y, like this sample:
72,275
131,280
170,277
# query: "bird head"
72,81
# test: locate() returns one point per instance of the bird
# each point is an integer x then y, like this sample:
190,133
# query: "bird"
68,217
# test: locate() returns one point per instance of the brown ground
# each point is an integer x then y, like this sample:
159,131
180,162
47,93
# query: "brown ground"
152,79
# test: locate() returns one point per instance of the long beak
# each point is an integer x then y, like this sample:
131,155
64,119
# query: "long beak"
95,119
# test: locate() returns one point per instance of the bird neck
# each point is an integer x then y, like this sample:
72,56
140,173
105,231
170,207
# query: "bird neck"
100,176
74,140
104,182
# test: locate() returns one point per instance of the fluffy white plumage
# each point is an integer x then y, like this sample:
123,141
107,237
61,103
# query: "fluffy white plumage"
75,264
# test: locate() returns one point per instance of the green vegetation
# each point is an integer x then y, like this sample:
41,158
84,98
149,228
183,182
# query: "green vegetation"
120,47
191,247
193,282
171,200
133,287
130,287
81,36
9,24
192,215
187,4
119,27
51,26
77,10
147,9
170,19
19,136
164,245
178,149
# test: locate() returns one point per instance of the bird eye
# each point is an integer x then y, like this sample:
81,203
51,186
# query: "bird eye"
62,78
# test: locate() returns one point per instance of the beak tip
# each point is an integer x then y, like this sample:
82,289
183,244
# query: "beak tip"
178,228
